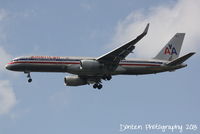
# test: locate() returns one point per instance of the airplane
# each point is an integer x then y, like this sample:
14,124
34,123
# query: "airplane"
92,70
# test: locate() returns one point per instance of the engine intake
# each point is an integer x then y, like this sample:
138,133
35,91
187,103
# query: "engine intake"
74,80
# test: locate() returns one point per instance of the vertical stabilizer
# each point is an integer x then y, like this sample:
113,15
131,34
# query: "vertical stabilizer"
172,49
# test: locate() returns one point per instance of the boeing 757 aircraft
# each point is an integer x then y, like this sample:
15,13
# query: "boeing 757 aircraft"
91,70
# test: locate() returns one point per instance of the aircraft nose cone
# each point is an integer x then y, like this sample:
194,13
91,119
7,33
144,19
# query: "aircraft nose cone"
8,66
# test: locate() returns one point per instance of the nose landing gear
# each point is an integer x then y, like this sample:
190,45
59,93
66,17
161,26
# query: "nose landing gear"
29,77
29,80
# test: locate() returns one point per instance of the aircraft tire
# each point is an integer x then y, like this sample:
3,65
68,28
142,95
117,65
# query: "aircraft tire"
100,86
95,86
109,77
29,80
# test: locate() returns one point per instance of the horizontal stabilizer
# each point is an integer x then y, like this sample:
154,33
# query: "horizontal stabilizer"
180,60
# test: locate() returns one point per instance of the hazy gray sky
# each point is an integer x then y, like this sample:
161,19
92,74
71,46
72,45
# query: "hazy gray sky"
92,28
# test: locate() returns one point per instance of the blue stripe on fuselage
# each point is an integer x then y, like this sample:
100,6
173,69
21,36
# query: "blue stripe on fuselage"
62,59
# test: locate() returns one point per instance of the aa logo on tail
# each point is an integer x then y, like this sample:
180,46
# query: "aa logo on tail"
170,50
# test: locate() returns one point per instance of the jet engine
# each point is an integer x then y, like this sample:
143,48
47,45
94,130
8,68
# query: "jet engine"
91,66
74,80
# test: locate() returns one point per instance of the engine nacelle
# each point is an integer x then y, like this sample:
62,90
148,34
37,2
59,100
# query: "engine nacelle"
91,66
74,80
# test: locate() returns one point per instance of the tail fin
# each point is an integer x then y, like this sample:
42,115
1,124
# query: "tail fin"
172,49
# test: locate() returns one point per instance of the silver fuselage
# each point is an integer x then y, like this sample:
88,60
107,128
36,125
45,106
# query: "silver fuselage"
72,65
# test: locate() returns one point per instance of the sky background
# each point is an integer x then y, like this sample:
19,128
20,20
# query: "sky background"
92,28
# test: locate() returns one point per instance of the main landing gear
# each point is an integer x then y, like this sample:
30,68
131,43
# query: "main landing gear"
97,85
107,77
29,77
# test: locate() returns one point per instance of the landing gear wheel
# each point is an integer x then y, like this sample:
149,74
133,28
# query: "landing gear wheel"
29,77
29,80
95,86
109,77
100,86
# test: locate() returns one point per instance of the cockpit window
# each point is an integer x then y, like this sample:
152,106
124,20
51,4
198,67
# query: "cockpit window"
19,59
15,59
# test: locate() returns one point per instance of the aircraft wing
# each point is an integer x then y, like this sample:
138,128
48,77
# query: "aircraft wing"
115,56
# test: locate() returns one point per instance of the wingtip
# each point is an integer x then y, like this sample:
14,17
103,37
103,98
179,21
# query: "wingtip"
192,53
147,28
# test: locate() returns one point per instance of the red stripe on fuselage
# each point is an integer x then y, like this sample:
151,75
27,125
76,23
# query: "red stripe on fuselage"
42,62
